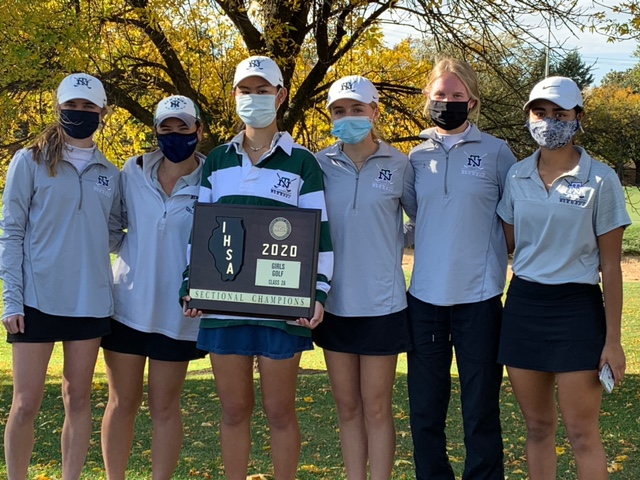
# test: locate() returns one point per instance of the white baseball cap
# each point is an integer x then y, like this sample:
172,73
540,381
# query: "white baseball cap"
562,91
177,106
258,66
84,86
353,87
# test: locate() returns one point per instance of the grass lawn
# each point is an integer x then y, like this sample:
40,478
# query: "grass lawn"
631,242
321,457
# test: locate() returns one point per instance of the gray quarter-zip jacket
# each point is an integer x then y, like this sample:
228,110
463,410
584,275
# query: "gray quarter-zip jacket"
148,270
57,234
366,224
460,249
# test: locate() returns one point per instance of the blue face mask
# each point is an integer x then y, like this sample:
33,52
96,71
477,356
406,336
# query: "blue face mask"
257,111
79,124
352,130
178,147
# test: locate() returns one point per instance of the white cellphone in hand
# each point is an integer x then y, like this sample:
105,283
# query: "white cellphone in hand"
606,378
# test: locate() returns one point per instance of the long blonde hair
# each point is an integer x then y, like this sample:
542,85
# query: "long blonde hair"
463,71
49,145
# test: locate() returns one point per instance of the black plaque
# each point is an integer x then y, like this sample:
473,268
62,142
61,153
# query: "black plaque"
254,261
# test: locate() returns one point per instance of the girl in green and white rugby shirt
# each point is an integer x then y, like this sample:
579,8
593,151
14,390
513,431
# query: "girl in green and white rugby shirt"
245,171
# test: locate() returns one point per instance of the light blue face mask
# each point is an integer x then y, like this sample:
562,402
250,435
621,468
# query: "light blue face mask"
257,111
352,130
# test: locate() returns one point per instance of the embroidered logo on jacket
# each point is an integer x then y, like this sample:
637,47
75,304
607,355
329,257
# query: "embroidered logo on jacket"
283,187
102,185
474,165
190,208
384,179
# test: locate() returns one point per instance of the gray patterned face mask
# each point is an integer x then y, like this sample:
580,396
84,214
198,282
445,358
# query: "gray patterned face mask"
552,133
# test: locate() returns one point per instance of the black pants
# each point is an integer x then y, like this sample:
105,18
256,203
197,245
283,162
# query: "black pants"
473,329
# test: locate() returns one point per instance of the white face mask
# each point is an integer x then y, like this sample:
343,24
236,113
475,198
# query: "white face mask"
257,111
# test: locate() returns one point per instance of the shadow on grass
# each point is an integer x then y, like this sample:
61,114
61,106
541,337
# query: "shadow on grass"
321,456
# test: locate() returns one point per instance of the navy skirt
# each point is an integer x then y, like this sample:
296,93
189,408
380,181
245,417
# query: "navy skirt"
552,328
381,335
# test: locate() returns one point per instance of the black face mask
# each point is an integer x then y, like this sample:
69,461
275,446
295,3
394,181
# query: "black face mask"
79,123
448,115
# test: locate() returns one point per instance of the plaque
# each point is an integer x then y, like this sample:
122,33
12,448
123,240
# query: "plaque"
254,261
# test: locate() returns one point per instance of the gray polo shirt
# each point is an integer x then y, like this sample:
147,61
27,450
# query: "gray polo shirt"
556,231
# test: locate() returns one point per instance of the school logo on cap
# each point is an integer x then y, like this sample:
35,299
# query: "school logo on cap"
175,104
255,63
82,82
347,87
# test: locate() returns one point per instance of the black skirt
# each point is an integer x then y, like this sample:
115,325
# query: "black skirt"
40,327
382,335
552,328
156,346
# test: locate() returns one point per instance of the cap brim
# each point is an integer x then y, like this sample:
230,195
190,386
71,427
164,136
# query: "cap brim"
189,120
254,74
73,95
352,96
561,102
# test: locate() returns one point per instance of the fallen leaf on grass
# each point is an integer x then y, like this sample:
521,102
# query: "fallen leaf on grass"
615,467
310,468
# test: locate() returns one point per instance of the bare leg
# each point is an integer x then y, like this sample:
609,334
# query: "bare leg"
278,379
535,392
79,363
377,375
344,375
234,383
580,396
165,387
30,361
125,375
